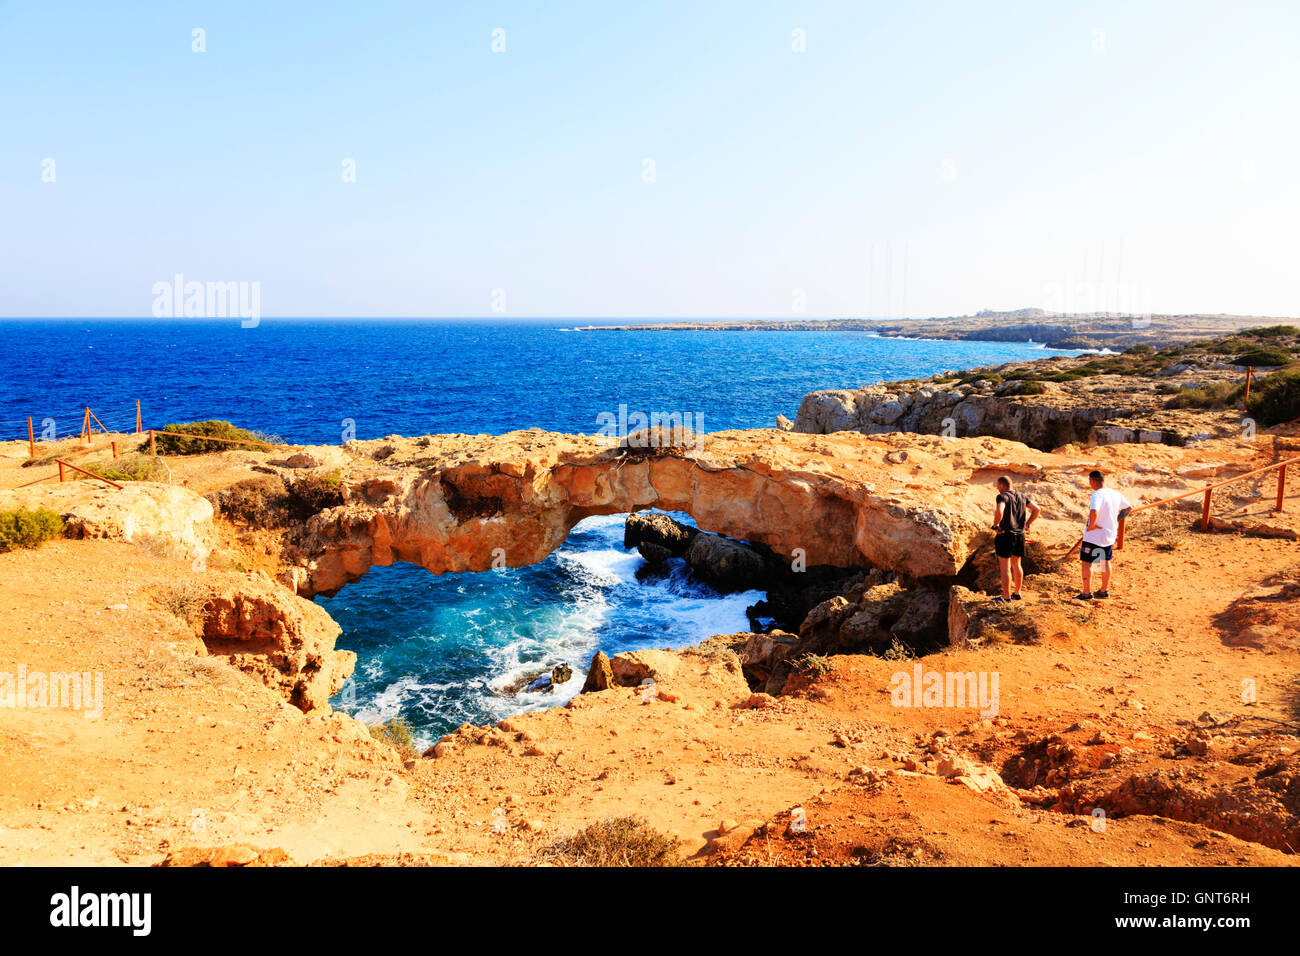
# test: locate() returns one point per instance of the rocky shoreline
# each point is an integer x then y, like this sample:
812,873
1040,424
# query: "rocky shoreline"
1176,395
1053,330
870,540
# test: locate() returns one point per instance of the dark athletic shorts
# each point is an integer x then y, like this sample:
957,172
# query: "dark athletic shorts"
1089,552
1009,544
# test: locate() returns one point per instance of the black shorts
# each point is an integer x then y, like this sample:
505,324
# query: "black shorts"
1089,552
1009,544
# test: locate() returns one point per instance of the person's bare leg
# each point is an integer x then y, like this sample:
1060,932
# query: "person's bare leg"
1105,575
1017,576
1087,576
1004,566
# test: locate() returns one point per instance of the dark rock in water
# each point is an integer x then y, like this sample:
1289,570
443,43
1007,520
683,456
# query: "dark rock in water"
540,683
658,529
600,676
727,564
655,554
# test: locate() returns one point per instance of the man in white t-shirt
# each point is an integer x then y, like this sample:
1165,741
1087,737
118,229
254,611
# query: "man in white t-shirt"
1105,509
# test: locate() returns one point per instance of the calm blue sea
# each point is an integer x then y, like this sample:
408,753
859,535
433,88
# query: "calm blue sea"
440,650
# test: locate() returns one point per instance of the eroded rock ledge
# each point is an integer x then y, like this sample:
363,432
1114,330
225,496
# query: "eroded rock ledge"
910,504
915,505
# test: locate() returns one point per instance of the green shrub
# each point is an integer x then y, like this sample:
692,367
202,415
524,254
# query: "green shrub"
1229,346
397,732
1022,387
1215,395
1276,399
618,841
1264,356
22,528
135,467
1273,331
178,445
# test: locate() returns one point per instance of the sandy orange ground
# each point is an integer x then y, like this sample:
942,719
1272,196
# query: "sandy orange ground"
192,753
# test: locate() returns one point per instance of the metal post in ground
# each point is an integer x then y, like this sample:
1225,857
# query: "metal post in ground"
1205,508
31,439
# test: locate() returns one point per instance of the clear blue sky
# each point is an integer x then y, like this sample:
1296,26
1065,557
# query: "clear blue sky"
917,159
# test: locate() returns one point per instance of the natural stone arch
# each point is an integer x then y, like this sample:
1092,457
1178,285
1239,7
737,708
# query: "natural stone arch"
471,503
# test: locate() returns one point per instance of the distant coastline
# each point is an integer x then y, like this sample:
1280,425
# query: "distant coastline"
1073,331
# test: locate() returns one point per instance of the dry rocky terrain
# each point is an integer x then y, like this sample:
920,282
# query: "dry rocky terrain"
1158,727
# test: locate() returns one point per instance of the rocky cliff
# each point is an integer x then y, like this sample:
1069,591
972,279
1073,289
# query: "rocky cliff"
1050,402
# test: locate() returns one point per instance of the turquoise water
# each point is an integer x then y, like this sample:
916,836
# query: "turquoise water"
440,650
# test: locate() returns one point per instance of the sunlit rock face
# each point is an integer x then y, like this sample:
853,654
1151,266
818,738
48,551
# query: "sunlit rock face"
908,503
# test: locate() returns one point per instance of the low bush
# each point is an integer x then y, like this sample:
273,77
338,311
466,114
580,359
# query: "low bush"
1229,346
173,444
1273,331
134,467
262,501
397,732
23,528
1276,399
1022,387
272,502
618,841
1265,357
1215,395
185,599
818,665
311,493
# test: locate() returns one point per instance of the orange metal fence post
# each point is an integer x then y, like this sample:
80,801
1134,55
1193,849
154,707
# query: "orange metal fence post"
1205,508
85,425
1249,372
1119,538
61,471
114,449
137,417
1281,486
153,450
31,439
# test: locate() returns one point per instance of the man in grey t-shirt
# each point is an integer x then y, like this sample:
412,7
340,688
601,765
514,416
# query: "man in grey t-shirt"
1013,513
